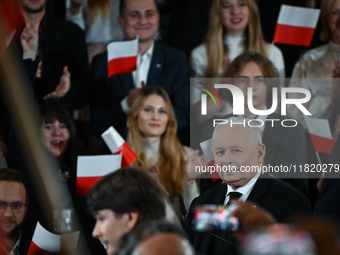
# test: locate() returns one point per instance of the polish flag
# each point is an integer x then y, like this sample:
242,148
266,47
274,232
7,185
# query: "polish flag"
209,157
117,145
296,25
92,168
321,135
45,242
122,57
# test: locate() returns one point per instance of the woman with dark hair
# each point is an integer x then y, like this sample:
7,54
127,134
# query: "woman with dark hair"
152,136
58,135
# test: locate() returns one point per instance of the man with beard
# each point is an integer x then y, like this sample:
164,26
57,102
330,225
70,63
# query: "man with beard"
13,207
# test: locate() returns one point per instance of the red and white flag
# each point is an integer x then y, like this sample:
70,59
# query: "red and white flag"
209,157
117,145
45,242
296,25
92,168
122,57
321,135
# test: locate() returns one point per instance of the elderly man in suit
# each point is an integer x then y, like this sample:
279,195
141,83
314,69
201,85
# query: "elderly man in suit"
285,145
157,65
239,152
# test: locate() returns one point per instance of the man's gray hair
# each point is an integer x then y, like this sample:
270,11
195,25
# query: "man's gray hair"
253,133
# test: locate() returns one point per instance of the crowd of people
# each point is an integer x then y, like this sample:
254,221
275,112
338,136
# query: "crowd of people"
151,206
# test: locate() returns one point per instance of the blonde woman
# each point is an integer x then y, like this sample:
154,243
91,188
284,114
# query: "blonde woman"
234,28
152,136
98,18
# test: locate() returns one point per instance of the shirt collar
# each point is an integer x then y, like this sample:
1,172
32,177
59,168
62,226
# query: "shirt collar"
15,247
245,188
148,53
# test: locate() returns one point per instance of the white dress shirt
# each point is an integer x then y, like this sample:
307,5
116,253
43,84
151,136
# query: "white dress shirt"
140,75
244,190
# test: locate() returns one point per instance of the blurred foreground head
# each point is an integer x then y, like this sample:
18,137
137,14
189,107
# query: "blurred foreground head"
156,237
123,200
306,237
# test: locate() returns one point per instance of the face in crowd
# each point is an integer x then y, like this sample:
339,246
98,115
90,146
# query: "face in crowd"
233,149
55,136
251,76
153,117
33,6
110,227
334,21
13,207
235,16
140,17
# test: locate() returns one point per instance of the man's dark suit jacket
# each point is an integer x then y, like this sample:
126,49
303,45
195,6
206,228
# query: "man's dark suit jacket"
62,43
271,194
168,69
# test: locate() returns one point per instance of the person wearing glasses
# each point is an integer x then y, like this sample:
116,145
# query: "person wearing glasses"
13,208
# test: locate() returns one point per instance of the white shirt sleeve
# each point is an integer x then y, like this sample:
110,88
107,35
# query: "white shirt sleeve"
125,107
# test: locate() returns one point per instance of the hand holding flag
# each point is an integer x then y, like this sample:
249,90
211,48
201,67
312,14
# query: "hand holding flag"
117,145
122,57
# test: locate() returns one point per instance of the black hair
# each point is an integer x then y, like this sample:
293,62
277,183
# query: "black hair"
52,110
128,190
11,175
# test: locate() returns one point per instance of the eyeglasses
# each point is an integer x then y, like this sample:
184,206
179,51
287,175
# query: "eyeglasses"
15,207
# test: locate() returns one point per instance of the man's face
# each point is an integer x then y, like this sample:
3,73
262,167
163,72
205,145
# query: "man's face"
10,222
140,17
110,227
231,147
251,76
33,6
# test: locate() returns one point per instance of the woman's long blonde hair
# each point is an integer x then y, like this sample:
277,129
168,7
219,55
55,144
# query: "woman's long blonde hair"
217,51
171,152
326,10
98,7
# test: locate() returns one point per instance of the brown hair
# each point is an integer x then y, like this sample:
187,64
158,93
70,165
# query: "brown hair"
326,9
171,152
128,190
267,68
98,7
217,51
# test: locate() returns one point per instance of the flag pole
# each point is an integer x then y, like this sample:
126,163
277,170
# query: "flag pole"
318,157
137,67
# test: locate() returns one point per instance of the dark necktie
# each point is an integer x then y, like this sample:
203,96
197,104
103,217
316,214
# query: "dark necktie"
234,195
